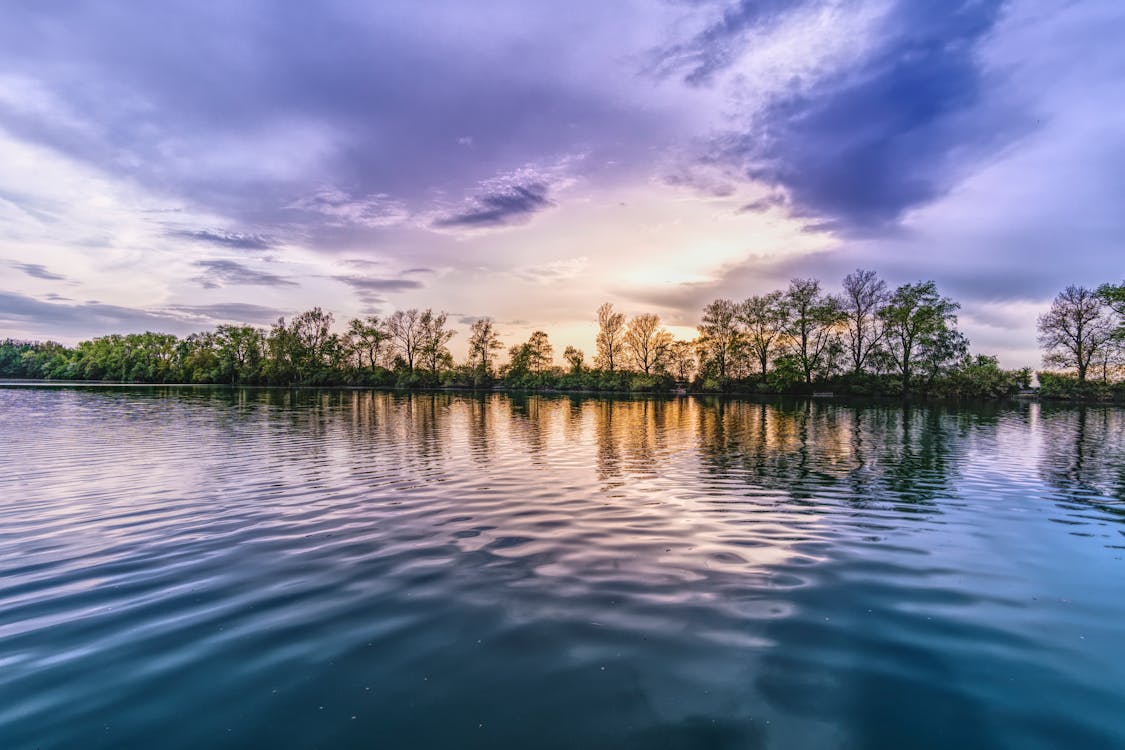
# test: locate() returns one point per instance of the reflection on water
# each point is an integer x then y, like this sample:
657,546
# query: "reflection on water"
209,567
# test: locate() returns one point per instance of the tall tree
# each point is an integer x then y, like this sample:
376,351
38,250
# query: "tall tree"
282,354
484,342
647,343
540,353
1076,330
405,328
610,341
764,320
811,325
239,351
864,294
917,320
316,347
367,338
433,347
720,337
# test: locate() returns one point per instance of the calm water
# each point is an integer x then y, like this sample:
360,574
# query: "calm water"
188,568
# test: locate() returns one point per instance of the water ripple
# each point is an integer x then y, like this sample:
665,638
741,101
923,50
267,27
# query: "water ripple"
228,568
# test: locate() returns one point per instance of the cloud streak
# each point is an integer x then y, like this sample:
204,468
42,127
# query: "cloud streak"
220,273
38,271
236,240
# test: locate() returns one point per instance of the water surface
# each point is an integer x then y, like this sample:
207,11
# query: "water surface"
185,568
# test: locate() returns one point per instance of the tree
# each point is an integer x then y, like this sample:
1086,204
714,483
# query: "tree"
281,355
611,334
316,348
366,339
811,325
1076,330
483,343
576,358
681,359
864,295
764,318
540,353
239,352
720,337
647,343
432,345
916,320
405,329
1113,295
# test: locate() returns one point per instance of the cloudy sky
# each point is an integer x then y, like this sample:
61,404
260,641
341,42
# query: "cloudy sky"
167,166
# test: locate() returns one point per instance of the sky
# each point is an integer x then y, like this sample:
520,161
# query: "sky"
171,166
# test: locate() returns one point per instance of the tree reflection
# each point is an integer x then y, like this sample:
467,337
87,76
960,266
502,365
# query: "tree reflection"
903,455
1083,454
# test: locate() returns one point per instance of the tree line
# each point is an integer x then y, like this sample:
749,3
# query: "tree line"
865,339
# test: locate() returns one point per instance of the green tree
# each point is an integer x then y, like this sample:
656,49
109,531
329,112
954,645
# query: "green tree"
540,353
484,342
317,349
576,358
764,321
435,336
917,322
812,326
239,350
367,339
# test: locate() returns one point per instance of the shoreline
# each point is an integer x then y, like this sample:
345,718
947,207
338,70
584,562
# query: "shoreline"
734,394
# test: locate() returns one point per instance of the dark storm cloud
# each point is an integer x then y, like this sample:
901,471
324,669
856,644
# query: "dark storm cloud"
38,271
508,204
858,147
865,144
218,273
380,113
235,240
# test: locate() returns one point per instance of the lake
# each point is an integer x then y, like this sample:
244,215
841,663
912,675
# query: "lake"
202,567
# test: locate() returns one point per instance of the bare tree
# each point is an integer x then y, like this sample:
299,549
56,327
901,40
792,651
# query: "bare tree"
611,334
406,331
1076,330
647,343
864,294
